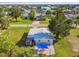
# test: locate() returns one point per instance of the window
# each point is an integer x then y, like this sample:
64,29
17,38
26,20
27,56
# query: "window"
39,40
48,41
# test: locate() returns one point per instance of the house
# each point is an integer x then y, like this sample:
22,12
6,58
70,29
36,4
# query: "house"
53,8
41,38
39,35
39,16
68,11
43,9
26,12
77,7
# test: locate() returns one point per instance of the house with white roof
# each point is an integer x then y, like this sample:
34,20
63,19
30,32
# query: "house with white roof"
45,8
40,35
42,39
26,12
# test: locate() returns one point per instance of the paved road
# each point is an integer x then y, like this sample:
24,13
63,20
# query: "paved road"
25,25
32,25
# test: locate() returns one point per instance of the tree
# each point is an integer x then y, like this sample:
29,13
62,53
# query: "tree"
29,52
32,14
6,46
76,21
1,12
59,25
9,47
4,23
48,12
15,11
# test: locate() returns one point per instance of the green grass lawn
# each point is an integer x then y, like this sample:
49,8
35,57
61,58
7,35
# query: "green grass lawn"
63,47
21,21
16,35
45,21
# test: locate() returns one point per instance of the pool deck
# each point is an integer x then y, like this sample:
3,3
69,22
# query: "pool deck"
49,51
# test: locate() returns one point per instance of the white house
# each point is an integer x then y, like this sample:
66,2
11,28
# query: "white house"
44,9
26,12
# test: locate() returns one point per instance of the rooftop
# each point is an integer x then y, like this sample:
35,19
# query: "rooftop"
40,33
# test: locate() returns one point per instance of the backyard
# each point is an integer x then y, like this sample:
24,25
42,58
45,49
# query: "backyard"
65,46
17,37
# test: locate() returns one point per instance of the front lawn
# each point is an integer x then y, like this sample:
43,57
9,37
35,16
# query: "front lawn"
21,21
45,21
17,36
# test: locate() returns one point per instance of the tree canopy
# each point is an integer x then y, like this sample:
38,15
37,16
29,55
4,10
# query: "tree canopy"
32,14
15,11
59,25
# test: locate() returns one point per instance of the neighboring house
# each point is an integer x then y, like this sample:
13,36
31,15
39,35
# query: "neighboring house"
5,13
44,9
53,8
68,11
77,7
26,13
39,16
69,14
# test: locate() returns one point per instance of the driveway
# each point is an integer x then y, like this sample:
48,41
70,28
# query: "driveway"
51,50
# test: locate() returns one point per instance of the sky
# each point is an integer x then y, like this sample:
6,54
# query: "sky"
40,1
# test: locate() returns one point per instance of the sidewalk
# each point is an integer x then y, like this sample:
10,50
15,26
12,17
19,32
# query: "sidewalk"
34,24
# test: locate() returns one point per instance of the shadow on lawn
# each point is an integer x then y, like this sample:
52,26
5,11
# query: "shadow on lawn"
77,36
22,41
54,41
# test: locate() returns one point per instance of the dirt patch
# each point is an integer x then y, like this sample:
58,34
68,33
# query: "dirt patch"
74,40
